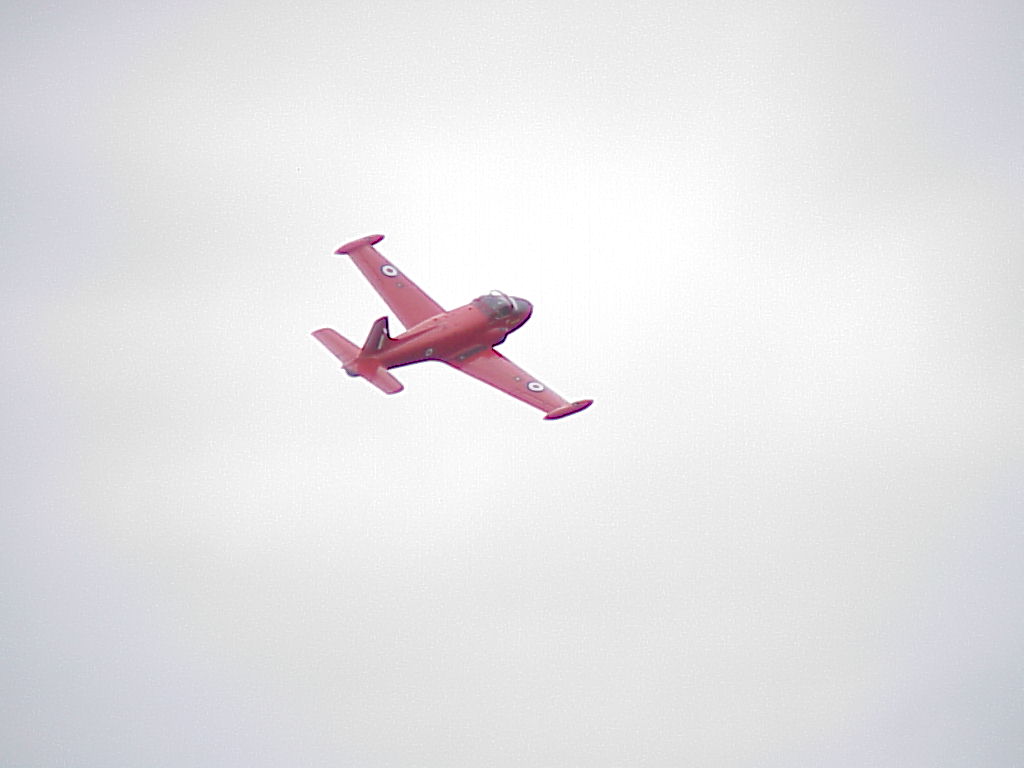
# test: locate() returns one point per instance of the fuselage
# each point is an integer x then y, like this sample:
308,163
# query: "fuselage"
457,334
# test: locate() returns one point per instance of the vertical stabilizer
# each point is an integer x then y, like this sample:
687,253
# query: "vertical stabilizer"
378,337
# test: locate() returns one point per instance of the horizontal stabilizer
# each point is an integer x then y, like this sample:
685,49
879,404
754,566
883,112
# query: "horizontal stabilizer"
348,353
381,379
339,346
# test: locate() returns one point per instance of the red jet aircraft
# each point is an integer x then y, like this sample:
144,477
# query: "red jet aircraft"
464,338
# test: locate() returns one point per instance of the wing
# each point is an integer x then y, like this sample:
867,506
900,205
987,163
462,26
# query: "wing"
410,304
493,368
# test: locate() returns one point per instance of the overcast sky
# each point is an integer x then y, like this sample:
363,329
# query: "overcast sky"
782,247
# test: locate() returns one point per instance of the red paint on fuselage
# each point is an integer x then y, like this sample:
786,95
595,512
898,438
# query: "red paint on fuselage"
455,335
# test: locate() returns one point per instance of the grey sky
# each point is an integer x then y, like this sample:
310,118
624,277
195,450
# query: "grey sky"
781,246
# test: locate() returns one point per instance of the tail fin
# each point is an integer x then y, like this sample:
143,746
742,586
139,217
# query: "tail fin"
378,337
349,355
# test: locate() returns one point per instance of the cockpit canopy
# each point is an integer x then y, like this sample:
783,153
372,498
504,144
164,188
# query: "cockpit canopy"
498,305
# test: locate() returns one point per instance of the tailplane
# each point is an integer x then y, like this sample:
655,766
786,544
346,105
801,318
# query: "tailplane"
380,378
351,356
337,345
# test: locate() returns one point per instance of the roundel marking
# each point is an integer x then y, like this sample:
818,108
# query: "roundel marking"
535,386
388,270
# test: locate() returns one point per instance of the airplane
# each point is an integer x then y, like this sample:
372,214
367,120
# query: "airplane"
464,338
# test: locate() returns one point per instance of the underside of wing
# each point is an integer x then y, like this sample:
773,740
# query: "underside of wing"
409,303
493,368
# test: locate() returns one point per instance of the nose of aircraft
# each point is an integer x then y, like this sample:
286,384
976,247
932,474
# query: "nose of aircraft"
523,308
